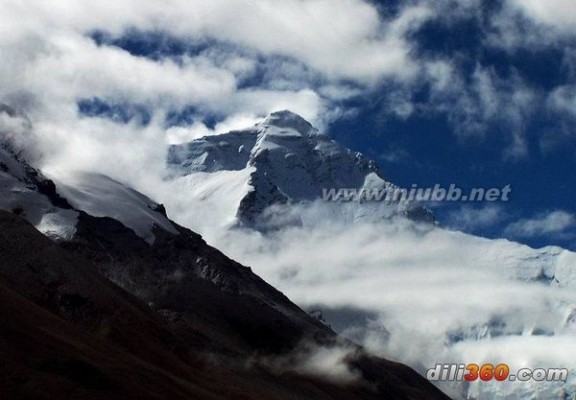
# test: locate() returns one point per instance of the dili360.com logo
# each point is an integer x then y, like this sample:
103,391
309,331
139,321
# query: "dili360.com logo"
489,372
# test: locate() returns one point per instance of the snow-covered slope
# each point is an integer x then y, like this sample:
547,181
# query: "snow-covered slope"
23,189
53,208
286,162
101,196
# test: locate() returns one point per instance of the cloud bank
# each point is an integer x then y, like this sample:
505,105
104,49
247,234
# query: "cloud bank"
425,296
237,61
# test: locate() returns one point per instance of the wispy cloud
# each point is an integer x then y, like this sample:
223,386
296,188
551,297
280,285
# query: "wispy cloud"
549,224
469,219
329,362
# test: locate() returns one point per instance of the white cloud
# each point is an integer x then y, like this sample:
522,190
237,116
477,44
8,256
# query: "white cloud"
558,15
15,130
305,102
547,224
345,39
325,362
77,68
183,134
312,55
307,56
469,218
416,296
562,100
485,103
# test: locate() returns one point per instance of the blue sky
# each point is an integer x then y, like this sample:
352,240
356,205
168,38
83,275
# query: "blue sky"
425,147
473,93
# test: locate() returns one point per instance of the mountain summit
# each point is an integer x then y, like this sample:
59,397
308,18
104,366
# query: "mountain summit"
285,163
289,120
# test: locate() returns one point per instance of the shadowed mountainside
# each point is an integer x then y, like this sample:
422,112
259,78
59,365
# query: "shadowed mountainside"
68,332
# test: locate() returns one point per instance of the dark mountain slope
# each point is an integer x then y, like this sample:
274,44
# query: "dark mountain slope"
67,332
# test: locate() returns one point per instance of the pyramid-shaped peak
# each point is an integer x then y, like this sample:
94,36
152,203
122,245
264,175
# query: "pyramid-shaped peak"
288,119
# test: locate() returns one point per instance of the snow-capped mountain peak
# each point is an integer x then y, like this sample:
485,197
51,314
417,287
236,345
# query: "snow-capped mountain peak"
287,162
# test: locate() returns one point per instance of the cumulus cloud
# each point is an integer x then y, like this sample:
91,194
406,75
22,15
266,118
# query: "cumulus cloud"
320,33
547,224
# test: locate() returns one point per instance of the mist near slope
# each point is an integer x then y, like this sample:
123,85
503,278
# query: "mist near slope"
413,293
420,297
